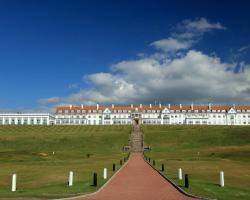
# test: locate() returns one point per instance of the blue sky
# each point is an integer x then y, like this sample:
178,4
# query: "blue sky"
63,52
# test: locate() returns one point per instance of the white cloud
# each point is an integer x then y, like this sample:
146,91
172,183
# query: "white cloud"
73,86
195,77
50,100
171,44
186,34
199,25
244,48
187,76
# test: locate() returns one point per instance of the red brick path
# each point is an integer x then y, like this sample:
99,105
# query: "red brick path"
137,181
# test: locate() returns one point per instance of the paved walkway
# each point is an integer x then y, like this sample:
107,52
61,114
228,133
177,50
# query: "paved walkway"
137,181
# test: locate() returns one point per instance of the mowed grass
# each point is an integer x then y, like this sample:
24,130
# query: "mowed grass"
202,152
28,152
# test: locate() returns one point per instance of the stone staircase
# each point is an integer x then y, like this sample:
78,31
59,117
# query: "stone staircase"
136,139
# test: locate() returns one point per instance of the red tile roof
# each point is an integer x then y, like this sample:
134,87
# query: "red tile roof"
142,108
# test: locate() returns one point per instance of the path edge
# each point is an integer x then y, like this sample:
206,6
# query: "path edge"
175,185
99,190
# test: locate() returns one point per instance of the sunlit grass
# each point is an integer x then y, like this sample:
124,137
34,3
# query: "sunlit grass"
28,152
202,152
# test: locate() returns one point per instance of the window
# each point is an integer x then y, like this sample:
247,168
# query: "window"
6,121
38,121
25,121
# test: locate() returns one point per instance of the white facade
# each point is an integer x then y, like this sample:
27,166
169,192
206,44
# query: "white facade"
190,115
26,119
108,115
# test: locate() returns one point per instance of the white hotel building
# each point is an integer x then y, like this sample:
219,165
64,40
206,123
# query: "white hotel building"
102,115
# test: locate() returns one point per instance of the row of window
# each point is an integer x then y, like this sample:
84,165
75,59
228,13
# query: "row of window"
23,122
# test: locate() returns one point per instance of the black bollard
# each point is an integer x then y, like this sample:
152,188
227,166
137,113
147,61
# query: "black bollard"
148,159
162,167
153,162
95,179
124,159
186,181
120,162
113,167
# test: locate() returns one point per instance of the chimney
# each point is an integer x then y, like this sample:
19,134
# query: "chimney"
70,106
113,105
192,106
132,105
180,106
140,105
82,106
150,105
209,106
169,106
97,106
159,105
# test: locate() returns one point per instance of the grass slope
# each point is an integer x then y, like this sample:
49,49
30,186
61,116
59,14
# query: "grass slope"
28,152
202,151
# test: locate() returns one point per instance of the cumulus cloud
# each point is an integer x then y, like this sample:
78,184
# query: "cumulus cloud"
196,77
186,34
171,44
190,76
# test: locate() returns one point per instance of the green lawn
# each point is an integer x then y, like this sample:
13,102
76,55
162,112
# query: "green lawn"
28,152
202,151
